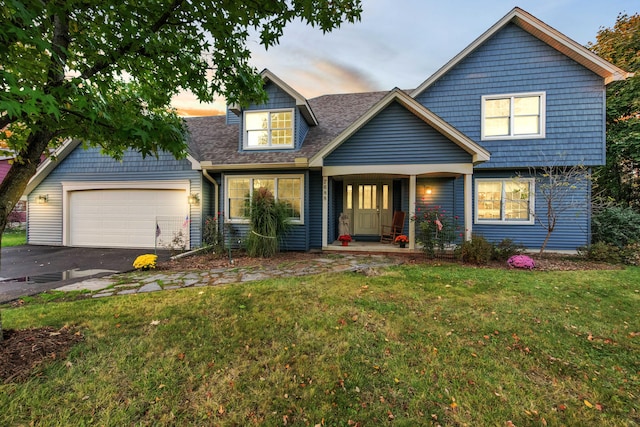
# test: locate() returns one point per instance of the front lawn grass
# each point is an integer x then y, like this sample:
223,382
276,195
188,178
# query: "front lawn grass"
14,238
416,345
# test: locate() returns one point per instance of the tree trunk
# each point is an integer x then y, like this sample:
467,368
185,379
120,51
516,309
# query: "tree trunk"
544,244
21,171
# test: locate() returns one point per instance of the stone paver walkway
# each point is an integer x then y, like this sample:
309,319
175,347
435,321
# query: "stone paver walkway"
140,282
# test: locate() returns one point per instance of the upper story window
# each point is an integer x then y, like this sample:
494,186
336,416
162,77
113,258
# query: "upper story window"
515,116
268,129
504,201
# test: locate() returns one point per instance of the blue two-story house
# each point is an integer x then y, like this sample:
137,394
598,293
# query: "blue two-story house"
520,97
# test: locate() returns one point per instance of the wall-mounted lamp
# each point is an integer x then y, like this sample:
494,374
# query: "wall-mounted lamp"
427,190
42,199
193,199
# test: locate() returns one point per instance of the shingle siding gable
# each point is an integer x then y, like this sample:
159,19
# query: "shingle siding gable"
396,136
513,61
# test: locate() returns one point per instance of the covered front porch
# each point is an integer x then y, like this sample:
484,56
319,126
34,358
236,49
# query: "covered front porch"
368,202
384,162
370,247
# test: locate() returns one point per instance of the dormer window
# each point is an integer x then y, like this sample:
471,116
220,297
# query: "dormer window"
268,129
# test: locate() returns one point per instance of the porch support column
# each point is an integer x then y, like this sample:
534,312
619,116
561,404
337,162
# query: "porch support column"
468,207
412,211
325,210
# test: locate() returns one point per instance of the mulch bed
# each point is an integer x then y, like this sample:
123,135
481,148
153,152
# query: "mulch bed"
23,350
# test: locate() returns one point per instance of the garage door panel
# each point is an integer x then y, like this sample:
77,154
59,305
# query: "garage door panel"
121,218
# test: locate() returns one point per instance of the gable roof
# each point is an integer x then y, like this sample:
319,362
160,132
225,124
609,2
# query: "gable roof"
53,160
478,153
545,33
301,102
216,142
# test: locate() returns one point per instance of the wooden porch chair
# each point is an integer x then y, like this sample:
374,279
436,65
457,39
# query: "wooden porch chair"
390,232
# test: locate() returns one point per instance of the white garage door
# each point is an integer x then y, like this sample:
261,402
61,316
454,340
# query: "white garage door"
121,218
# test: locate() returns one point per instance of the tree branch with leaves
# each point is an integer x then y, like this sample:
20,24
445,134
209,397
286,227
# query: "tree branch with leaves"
106,72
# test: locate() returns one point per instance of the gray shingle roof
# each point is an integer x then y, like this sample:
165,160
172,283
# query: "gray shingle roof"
211,139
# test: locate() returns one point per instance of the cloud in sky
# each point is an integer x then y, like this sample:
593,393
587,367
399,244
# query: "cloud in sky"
400,43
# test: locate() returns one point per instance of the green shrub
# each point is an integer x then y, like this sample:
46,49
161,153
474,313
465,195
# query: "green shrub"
632,254
436,231
619,226
602,252
506,249
212,236
475,251
269,221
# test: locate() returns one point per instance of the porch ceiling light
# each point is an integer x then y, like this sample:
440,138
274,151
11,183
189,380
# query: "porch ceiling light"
427,190
42,199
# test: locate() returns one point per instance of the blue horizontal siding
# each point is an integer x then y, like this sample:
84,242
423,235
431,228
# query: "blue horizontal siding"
45,221
513,61
572,230
396,136
314,211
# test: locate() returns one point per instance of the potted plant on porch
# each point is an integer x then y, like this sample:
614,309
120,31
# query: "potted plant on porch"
402,240
345,239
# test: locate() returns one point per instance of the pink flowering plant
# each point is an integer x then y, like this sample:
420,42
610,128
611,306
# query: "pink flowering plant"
521,261
436,229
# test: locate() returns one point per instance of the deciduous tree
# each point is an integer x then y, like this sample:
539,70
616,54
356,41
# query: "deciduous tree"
106,71
620,178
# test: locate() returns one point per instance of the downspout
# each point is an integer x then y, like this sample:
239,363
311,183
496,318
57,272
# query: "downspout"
216,190
217,204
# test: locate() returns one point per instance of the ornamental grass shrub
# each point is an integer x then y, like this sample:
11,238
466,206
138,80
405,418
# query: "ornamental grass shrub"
269,222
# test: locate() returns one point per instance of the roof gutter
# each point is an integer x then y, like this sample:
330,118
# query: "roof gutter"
298,163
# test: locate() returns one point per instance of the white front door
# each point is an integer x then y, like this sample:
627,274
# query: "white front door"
371,206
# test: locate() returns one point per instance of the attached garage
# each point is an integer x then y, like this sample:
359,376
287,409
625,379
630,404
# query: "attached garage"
124,217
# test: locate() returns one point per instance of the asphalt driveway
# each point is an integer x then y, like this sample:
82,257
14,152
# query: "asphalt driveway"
30,269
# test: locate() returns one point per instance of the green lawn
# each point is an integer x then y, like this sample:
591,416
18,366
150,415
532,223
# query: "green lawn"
416,345
14,238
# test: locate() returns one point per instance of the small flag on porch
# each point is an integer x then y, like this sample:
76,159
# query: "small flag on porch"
157,230
186,222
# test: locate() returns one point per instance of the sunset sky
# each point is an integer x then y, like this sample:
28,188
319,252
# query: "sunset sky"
399,43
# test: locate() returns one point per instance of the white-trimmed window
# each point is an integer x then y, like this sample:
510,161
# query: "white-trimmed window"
287,189
504,201
515,116
268,129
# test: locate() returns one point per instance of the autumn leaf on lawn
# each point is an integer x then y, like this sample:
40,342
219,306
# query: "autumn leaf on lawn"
588,404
